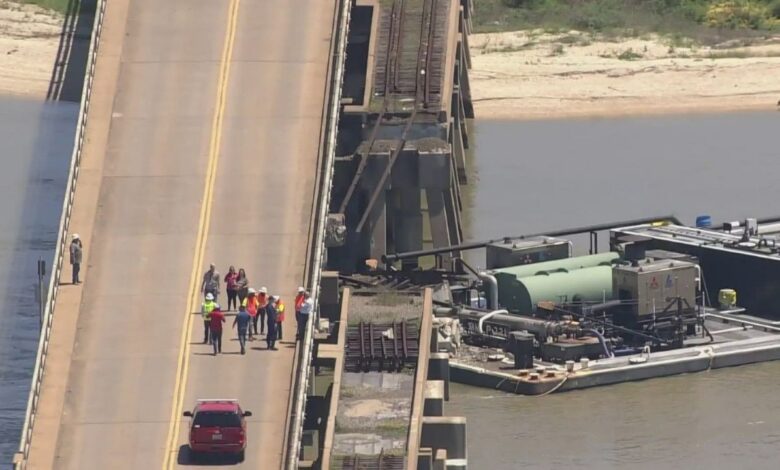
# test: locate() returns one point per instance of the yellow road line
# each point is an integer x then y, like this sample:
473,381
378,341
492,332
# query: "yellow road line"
182,369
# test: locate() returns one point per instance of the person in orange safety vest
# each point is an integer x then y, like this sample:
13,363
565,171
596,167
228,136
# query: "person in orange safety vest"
262,299
251,304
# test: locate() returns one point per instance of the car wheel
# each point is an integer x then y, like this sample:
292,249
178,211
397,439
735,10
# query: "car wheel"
194,456
240,456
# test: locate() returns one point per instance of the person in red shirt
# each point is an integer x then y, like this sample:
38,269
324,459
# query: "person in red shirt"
300,298
217,318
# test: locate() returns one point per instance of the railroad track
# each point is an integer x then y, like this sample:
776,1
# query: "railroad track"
409,69
373,462
382,347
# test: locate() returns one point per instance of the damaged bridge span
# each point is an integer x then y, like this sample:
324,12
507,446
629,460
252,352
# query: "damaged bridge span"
402,131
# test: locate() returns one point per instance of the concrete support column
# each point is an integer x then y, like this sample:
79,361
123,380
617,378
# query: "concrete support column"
329,295
425,459
407,223
437,214
448,433
434,398
456,141
451,206
463,78
378,224
374,232
439,369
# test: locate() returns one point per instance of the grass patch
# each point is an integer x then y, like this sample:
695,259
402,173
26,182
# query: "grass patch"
706,21
629,54
557,50
738,54
60,6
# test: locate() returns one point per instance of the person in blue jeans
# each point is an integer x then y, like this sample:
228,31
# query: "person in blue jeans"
217,318
270,312
242,322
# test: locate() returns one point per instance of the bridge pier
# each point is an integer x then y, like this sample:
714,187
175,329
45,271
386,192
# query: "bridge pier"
403,132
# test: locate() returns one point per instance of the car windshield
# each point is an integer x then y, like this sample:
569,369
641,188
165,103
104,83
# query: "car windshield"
209,419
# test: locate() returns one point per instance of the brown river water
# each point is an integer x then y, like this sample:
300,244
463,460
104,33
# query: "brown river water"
37,142
526,177
535,176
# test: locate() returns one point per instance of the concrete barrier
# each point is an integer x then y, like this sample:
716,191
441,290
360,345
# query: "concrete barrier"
316,249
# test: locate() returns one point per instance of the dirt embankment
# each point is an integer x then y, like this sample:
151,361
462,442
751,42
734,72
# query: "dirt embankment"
29,38
533,75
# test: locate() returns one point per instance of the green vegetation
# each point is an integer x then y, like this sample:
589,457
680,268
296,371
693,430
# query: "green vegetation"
706,20
56,5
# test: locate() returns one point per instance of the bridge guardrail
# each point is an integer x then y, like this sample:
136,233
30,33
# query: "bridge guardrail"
21,456
317,250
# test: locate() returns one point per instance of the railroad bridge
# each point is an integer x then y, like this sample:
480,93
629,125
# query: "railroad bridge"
214,132
401,150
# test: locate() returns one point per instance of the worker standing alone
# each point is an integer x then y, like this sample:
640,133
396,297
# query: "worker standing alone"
208,306
217,318
270,312
76,253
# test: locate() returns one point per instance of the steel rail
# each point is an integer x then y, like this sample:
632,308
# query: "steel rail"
392,49
21,456
423,61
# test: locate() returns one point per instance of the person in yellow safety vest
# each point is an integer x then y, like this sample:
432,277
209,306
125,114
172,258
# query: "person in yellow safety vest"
208,306
279,316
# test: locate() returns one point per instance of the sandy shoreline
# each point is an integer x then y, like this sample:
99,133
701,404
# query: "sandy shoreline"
514,75
29,39
532,75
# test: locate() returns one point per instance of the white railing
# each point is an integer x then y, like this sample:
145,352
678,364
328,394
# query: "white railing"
332,110
21,456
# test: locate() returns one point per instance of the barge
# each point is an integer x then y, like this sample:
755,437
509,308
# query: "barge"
662,299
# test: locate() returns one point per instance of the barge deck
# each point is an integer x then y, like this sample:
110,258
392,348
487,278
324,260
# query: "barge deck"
738,341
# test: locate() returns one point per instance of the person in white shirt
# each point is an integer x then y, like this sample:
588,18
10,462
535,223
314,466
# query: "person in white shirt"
307,307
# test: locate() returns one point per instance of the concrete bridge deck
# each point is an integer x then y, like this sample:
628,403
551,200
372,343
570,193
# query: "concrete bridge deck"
201,147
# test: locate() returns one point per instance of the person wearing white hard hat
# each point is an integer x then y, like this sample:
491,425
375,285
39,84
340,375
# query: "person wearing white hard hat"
209,304
262,300
251,304
299,298
76,253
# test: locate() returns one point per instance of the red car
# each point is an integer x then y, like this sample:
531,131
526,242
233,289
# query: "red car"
218,427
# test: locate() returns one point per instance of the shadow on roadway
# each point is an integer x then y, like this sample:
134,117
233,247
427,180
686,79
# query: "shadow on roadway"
186,457
70,64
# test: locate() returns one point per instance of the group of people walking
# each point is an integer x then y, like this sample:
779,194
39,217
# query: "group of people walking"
255,307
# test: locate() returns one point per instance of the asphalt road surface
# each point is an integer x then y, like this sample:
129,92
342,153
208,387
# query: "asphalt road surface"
211,157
